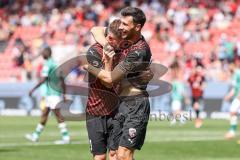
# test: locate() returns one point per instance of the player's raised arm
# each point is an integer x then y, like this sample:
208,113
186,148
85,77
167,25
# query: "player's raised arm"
132,61
93,59
98,34
106,76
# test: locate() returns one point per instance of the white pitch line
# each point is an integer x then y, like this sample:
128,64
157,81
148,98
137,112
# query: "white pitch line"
47,134
47,143
150,134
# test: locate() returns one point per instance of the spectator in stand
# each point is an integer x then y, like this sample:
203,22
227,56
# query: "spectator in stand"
172,24
22,58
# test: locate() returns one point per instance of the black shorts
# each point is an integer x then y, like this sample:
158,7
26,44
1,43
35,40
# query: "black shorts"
197,100
100,130
130,123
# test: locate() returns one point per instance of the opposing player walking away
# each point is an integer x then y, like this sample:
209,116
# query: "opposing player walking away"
52,98
134,109
235,105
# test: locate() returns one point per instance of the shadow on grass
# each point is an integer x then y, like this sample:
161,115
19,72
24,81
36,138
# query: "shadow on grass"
9,150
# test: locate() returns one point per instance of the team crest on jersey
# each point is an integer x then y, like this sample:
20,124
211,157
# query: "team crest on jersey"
132,132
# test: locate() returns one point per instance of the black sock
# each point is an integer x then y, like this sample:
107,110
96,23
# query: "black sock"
197,113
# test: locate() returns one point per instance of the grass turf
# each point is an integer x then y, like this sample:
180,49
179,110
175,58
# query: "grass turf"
162,142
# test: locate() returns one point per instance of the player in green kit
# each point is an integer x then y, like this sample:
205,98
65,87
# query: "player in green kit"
177,94
235,105
52,98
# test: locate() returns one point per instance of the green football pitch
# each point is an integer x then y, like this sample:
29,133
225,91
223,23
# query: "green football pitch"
163,142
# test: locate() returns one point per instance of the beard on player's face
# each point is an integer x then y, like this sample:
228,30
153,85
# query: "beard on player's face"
129,33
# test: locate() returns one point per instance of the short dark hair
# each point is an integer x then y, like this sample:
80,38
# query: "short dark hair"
114,28
47,50
137,14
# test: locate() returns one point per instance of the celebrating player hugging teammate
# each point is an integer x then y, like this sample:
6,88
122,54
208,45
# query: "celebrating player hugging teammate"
123,65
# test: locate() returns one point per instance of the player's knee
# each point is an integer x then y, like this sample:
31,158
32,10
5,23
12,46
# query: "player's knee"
45,115
57,113
196,106
233,113
125,153
45,112
100,157
123,156
112,153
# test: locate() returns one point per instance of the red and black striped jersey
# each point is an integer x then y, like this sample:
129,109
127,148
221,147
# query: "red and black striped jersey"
101,100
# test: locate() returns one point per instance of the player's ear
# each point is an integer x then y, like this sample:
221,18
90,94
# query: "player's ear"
138,27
